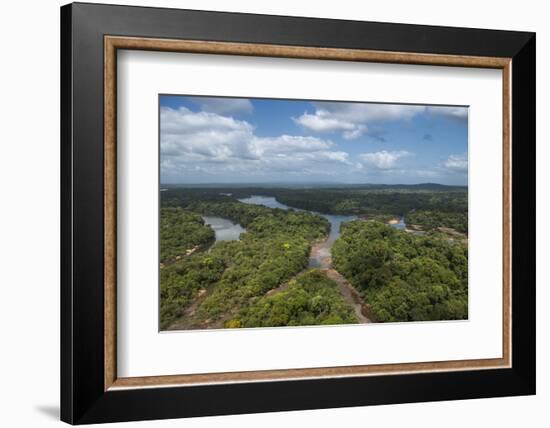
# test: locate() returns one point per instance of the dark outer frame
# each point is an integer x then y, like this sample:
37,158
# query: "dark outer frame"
114,43
83,398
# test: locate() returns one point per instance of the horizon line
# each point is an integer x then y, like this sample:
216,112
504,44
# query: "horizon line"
313,183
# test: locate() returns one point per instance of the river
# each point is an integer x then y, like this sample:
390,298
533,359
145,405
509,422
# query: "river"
320,253
320,256
224,229
334,219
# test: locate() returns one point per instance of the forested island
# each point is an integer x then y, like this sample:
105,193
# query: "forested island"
312,255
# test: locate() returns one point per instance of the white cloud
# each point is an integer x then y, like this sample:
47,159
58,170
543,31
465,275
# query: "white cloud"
383,159
457,162
322,121
288,144
355,133
203,135
458,113
224,106
368,112
213,145
352,119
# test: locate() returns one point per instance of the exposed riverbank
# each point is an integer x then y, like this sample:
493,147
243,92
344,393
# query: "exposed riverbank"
351,296
320,256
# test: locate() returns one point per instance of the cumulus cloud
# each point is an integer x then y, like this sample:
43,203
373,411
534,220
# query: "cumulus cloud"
457,162
288,144
458,113
224,106
368,112
383,159
203,135
324,121
212,145
353,120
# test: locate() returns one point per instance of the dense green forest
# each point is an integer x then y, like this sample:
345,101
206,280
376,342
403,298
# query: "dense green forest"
310,299
429,206
183,281
431,220
404,277
274,248
266,222
373,202
181,231
263,279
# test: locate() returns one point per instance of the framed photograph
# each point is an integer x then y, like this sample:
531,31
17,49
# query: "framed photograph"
266,213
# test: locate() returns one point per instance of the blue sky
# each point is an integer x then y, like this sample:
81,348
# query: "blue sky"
239,140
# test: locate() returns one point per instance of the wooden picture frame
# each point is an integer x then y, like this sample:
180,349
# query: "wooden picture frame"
91,390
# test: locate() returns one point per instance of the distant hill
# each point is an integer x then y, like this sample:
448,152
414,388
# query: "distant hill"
420,186
434,187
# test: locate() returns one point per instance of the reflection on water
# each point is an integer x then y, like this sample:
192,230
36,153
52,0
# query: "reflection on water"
224,229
